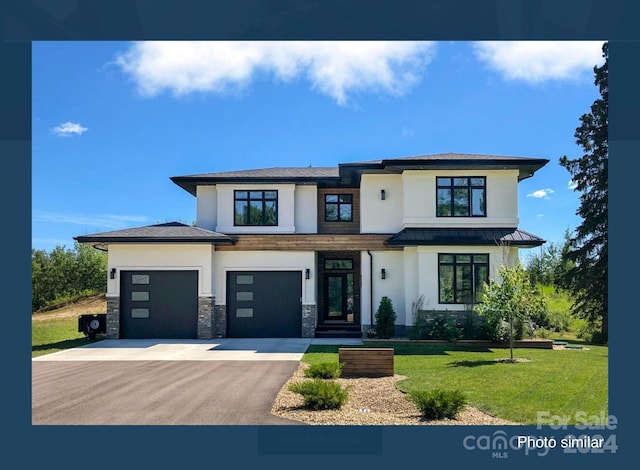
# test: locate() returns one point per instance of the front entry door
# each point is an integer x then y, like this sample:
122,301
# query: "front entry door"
339,297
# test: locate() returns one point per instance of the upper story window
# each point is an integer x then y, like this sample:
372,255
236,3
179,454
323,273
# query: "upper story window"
255,208
462,197
338,207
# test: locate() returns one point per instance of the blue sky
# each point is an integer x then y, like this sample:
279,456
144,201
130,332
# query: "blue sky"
112,121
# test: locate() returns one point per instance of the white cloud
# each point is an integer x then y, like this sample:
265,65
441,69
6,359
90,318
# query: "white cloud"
67,129
336,69
541,193
539,216
572,184
407,132
109,221
538,61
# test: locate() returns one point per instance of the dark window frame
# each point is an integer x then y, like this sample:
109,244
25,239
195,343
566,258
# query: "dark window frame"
348,261
469,187
473,264
338,203
248,200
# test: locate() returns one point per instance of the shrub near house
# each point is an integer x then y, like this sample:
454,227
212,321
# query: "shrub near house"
385,318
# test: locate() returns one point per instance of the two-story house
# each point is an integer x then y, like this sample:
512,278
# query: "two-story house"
304,252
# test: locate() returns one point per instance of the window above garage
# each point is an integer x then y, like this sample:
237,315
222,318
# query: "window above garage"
255,208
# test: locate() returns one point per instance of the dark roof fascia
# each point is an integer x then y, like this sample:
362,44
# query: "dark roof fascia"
523,244
97,239
396,240
526,166
189,183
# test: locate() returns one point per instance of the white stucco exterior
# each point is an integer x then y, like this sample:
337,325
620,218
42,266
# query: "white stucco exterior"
306,209
392,286
376,215
414,272
419,199
206,207
421,272
286,205
161,257
265,261
297,208
410,200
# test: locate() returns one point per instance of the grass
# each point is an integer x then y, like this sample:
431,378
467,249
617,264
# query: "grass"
561,382
56,334
557,300
559,312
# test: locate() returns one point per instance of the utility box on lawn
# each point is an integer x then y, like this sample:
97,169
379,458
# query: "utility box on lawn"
92,323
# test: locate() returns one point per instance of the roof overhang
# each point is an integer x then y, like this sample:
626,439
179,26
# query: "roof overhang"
465,237
526,167
172,232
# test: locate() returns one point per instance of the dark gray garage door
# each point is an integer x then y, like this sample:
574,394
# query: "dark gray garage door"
264,304
158,304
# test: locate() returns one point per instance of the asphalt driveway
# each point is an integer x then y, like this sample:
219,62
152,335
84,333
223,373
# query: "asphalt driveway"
162,382
157,392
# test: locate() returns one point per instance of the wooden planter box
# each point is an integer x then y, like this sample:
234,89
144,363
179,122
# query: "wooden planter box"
366,362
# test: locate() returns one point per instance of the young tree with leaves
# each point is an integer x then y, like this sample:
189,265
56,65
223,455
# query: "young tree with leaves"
588,253
509,304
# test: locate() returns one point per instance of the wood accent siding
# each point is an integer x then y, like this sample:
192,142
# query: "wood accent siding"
366,362
339,227
310,242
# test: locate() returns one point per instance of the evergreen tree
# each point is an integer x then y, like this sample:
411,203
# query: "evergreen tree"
587,278
385,318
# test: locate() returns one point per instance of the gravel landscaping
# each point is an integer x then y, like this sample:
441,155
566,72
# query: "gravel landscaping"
371,401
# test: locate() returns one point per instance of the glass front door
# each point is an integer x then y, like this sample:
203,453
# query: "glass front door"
339,297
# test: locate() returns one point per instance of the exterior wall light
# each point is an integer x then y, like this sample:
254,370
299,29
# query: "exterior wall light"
112,274
307,273
383,194
383,273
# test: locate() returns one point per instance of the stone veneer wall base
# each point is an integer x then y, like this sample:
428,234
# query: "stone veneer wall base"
113,317
308,321
205,317
219,323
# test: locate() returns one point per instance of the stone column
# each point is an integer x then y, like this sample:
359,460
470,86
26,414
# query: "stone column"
205,317
219,323
113,317
308,321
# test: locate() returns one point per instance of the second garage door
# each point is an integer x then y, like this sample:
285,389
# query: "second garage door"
264,304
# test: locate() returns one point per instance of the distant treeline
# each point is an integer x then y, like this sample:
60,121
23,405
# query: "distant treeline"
62,274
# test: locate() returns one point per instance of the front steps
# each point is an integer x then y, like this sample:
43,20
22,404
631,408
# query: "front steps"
338,330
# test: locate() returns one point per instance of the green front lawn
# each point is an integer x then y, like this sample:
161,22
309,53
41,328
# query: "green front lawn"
560,382
55,334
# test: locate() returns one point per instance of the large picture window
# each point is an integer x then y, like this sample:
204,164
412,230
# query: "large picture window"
461,277
256,208
461,197
338,207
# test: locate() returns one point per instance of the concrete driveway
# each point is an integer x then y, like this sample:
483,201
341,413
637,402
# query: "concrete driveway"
212,382
227,349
